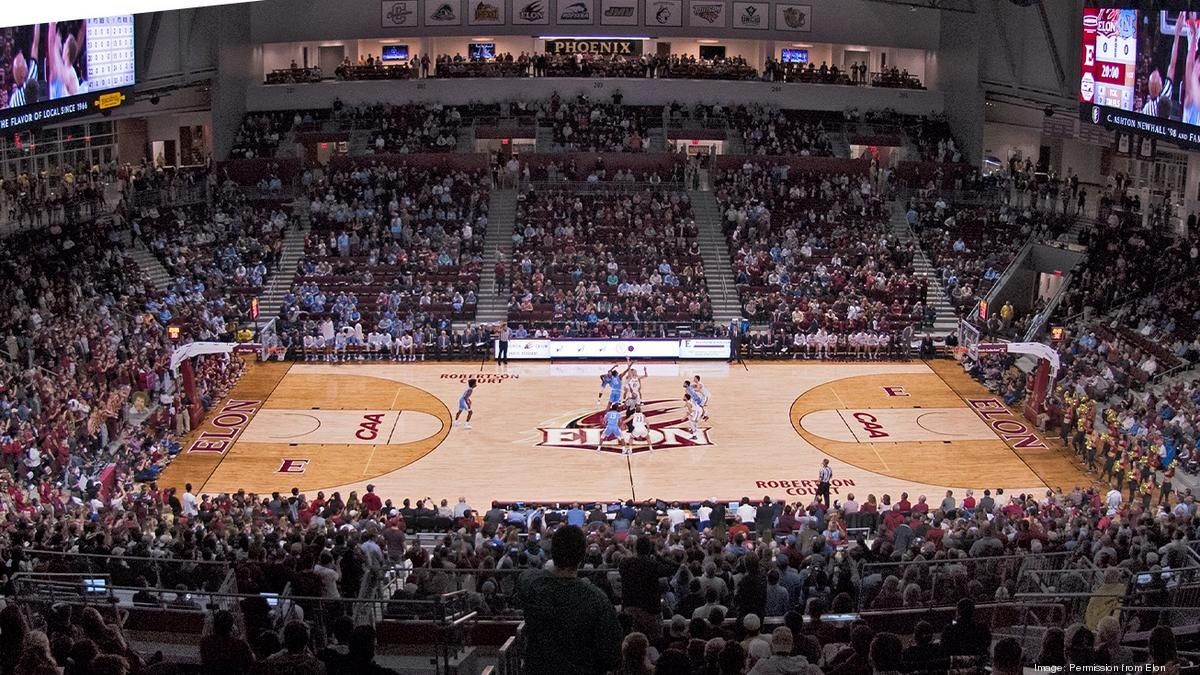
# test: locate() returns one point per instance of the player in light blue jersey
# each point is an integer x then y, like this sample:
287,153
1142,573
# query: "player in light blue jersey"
612,423
464,404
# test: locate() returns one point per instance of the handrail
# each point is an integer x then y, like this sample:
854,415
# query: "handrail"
1039,321
1009,271
602,186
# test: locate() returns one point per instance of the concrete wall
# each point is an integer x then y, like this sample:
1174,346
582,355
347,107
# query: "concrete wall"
957,72
454,92
832,21
185,43
240,64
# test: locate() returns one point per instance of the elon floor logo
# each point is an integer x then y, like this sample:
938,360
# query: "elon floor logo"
666,420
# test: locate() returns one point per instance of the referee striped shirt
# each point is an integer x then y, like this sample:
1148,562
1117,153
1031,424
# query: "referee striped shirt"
825,475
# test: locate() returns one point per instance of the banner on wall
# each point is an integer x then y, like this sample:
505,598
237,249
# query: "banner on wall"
707,13
443,13
664,13
751,15
618,12
575,12
531,12
485,12
398,14
597,47
793,17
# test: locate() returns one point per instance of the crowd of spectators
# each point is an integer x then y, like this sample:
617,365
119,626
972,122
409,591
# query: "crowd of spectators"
408,127
87,379
261,132
66,194
615,257
583,125
772,131
815,254
392,251
970,246
746,587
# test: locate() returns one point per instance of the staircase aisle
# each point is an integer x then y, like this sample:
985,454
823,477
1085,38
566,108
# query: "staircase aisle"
497,246
935,295
160,278
718,273
281,278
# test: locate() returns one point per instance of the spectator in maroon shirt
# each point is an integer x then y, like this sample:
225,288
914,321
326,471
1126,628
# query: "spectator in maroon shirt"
904,504
921,507
371,501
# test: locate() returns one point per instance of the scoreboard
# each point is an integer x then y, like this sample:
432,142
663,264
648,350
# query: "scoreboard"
1109,57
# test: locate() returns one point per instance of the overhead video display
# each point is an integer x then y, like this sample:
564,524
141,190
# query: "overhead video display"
53,70
1140,71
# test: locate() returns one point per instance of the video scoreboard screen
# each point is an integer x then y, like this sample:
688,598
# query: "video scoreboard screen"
1140,72
63,69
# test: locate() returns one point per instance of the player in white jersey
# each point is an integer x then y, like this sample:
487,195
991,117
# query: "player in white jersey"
633,385
875,343
385,344
311,344
825,343
855,344
638,431
407,348
799,344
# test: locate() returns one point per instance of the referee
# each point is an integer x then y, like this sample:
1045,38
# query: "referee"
824,476
502,340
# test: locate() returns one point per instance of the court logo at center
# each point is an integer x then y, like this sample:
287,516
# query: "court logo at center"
666,421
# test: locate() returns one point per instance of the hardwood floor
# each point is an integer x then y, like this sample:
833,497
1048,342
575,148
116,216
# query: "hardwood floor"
887,427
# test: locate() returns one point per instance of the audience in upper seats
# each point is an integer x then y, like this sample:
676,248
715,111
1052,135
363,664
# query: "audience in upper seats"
588,64
815,254
393,251
581,125
613,257
971,246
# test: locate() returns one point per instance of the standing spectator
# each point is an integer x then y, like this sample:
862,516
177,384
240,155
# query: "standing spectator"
571,625
362,654
965,637
222,652
640,597
295,657
1006,657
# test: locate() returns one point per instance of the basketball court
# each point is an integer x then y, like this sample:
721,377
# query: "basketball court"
886,427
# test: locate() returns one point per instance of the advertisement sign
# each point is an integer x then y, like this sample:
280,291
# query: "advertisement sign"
664,13
575,12
566,348
707,13
793,17
599,47
398,14
443,13
618,12
704,348
64,69
751,15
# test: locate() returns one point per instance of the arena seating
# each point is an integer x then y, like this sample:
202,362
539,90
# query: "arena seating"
606,256
970,246
409,128
814,252
393,249
579,124
770,131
